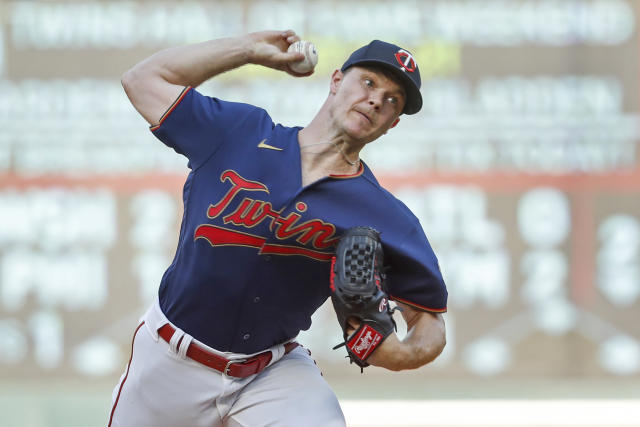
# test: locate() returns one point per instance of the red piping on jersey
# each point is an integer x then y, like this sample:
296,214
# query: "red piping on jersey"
332,275
353,175
115,403
171,108
422,307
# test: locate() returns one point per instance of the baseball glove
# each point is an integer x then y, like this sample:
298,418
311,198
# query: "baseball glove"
358,290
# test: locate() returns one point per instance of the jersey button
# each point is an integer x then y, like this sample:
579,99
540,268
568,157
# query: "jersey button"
267,258
246,337
256,299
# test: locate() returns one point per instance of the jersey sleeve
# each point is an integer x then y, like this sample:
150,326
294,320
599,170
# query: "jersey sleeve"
196,125
414,277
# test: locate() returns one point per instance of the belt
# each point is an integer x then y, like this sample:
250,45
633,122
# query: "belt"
238,368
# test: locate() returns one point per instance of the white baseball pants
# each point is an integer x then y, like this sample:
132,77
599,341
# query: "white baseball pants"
161,387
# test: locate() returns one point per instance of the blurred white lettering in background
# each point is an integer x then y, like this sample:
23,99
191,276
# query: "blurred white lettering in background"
470,245
53,256
536,125
154,216
46,25
618,259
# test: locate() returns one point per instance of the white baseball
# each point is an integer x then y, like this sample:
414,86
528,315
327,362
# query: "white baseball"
310,56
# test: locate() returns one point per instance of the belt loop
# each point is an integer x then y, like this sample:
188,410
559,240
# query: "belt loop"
175,340
150,319
184,346
277,354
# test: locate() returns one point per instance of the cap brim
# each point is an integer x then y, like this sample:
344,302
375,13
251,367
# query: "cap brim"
413,102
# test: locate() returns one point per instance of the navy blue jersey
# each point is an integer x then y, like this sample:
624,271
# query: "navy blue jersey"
252,263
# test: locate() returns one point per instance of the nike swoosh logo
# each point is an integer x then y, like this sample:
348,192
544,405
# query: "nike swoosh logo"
263,144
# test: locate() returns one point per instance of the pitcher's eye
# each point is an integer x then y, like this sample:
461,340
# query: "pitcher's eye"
368,82
392,100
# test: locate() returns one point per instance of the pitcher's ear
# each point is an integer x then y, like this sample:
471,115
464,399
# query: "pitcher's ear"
336,79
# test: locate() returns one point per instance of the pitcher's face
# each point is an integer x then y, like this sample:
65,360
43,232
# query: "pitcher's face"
366,102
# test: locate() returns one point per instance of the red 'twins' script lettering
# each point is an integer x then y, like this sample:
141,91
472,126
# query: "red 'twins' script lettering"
250,213
238,183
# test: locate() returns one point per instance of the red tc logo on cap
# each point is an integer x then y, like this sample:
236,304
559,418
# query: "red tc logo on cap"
406,61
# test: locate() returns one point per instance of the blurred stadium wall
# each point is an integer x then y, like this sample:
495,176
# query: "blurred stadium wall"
523,168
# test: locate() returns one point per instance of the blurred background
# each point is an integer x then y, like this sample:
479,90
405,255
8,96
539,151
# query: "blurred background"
522,167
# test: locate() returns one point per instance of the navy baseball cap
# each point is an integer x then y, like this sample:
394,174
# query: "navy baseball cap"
397,60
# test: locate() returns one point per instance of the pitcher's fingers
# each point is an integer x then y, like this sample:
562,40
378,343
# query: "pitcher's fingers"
289,57
354,324
288,33
293,39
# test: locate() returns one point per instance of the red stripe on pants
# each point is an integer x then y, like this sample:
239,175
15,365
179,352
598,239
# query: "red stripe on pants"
126,375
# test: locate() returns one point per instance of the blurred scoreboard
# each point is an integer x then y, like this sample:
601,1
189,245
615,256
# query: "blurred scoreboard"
522,167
